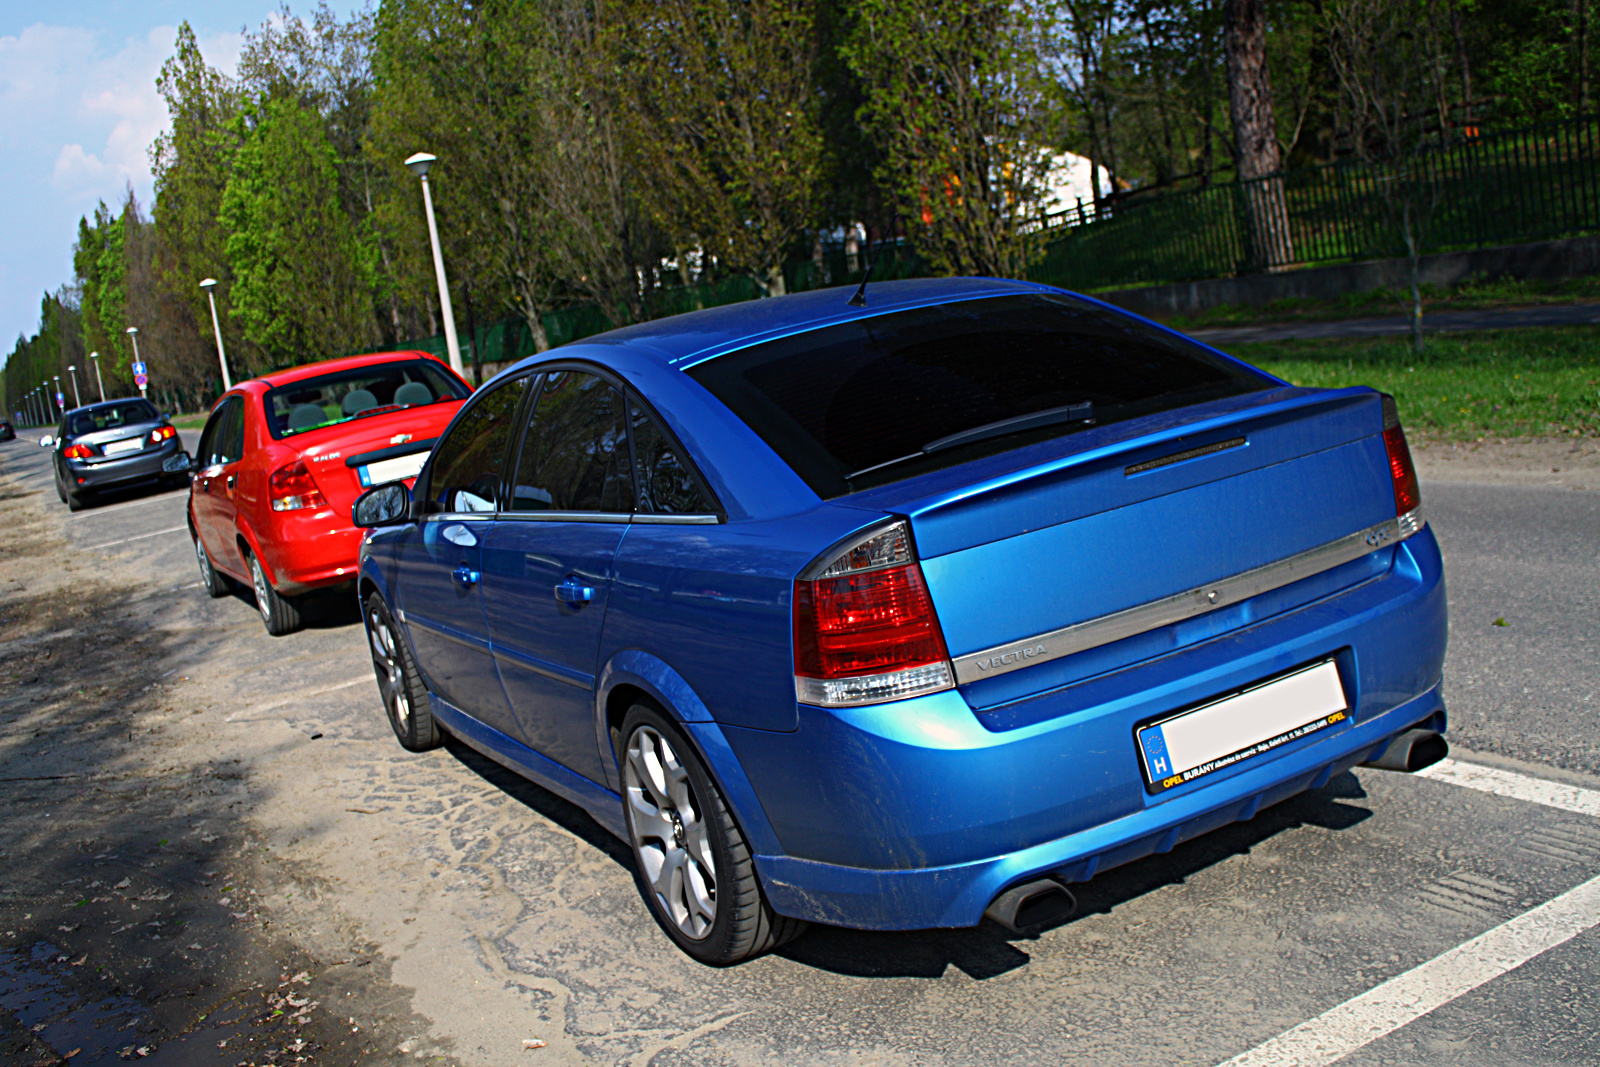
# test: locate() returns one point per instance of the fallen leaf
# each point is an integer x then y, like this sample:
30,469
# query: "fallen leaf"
1501,621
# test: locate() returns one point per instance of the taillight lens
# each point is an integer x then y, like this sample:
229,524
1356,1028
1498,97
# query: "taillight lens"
1407,495
77,451
864,626
291,488
162,433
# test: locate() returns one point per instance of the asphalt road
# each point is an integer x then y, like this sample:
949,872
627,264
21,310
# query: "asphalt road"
1390,325
1383,919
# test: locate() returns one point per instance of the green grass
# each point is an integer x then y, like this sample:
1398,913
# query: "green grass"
1473,294
1494,383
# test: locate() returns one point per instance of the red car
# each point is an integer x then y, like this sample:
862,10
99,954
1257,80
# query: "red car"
283,456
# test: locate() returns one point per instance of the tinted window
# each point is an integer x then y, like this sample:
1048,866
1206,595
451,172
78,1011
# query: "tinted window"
575,453
879,399
222,441
667,485
469,464
350,394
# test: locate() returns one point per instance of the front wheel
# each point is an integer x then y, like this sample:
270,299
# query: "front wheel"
279,613
692,862
405,698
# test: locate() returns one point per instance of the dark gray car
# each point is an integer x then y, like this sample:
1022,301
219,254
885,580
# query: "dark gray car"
110,445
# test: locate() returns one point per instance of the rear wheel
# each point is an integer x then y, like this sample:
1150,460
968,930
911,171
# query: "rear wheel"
692,862
75,502
405,698
280,613
213,583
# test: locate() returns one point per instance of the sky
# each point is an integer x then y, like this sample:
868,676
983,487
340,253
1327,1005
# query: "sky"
78,112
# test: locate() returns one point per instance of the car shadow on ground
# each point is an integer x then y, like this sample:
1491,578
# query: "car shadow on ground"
987,950
320,609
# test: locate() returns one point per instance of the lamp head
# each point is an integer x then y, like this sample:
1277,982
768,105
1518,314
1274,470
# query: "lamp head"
208,284
94,355
419,163
131,329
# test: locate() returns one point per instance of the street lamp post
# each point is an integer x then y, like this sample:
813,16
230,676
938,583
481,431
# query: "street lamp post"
101,382
418,165
77,398
133,335
61,398
208,284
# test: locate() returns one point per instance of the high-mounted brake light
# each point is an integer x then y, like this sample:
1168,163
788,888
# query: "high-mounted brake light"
77,451
291,488
864,625
162,433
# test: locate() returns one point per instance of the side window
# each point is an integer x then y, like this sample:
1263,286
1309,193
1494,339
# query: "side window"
469,465
222,441
575,452
667,485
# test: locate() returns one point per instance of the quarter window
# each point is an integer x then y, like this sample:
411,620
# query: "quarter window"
667,485
575,452
468,468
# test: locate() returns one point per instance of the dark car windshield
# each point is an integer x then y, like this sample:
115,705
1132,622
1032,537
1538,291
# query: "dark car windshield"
875,400
111,416
357,392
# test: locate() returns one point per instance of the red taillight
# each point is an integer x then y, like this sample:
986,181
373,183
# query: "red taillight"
162,433
864,626
77,451
291,488
1407,495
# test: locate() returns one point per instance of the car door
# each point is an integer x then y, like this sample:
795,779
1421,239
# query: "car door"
440,562
216,483
548,561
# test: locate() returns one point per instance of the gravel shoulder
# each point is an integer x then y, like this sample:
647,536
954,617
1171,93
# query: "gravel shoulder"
1570,462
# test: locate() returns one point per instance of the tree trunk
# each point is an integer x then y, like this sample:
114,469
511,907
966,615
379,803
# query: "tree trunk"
1414,265
1255,136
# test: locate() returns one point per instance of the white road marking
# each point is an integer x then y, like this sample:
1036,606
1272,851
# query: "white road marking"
250,713
1517,786
1409,996
1382,1010
135,537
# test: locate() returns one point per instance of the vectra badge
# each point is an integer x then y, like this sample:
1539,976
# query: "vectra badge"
1011,657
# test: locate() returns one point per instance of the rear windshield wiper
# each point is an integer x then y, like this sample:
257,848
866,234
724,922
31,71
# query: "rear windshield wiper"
1079,412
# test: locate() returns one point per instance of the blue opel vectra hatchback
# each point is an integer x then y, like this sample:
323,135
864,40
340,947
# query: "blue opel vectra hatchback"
901,614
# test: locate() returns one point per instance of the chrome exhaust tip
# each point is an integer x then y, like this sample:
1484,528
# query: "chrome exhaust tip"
1027,907
1411,751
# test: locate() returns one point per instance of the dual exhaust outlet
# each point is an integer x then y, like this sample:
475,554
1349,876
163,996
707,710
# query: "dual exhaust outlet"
1031,906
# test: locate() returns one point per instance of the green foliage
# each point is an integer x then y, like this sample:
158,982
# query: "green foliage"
99,260
1499,383
304,270
956,97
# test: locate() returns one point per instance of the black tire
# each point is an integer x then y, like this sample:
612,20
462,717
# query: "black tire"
61,490
405,698
280,614
75,502
215,584
686,844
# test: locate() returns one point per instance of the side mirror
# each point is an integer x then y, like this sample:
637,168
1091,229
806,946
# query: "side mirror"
382,505
46,441
178,463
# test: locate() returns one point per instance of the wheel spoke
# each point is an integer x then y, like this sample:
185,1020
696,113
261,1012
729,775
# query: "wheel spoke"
650,823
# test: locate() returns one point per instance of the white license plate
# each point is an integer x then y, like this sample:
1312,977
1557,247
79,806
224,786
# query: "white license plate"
127,444
1224,732
392,470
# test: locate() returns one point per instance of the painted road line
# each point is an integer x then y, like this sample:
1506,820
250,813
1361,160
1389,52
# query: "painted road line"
1406,997
250,713
135,537
1516,786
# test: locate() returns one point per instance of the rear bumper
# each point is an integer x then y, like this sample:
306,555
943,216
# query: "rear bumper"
107,473
311,549
918,813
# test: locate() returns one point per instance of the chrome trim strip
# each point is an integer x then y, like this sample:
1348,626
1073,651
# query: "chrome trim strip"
676,520
562,516
1014,655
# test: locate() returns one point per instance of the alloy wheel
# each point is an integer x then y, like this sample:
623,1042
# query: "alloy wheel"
258,580
391,674
669,833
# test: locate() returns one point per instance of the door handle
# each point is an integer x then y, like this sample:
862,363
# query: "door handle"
231,479
465,576
573,593
205,484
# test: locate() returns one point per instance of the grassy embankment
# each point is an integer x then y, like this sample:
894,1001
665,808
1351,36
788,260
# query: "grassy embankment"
1465,386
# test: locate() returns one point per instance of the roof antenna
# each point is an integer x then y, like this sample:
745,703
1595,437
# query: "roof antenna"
859,300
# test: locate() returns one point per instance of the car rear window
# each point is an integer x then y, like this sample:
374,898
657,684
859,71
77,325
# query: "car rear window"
312,403
875,400
111,416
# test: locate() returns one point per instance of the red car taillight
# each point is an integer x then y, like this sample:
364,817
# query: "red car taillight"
77,451
1407,495
864,625
162,433
291,488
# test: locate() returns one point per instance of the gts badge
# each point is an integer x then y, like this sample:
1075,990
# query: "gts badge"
1012,658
